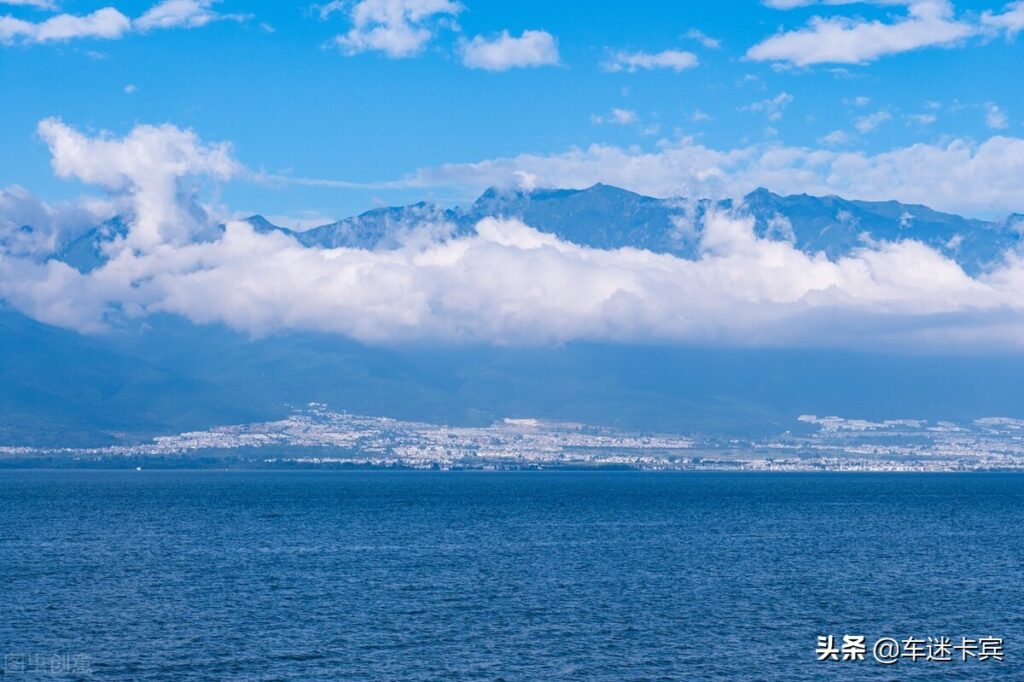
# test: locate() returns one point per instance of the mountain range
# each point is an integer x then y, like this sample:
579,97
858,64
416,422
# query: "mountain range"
165,375
607,217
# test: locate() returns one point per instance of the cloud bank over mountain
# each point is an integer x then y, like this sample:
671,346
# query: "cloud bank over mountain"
957,175
506,283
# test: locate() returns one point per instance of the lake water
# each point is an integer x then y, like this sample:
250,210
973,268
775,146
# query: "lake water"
377,575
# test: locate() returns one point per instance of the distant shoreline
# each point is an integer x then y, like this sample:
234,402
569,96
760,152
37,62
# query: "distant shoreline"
26,465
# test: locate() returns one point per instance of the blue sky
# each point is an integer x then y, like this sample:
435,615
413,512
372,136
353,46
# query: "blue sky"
270,79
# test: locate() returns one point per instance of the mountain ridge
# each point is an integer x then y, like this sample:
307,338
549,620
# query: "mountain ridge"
608,217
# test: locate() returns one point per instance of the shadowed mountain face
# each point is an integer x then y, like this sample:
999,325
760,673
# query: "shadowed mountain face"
86,253
835,226
379,228
607,217
59,388
166,375
601,216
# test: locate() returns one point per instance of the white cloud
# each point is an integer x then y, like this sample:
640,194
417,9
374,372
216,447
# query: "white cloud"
866,124
929,23
704,39
836,137
398,28
106,23
505,284
50,226
151,164
788,4
130,89
182,14
957,175
861,101
1011,21
772,107
509,284
532,48
676,60
37,4
618,117
995,118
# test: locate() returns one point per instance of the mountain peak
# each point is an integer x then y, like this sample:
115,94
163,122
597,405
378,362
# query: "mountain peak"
601,189
262,225
604,216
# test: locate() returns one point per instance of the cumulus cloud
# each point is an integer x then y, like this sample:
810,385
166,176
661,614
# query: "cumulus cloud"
1011,21
506,283
841,40
31,228
152,165
108,23
836,137
631,62
509,284
398,28
703,38
182,14
866,124
504,52
957,175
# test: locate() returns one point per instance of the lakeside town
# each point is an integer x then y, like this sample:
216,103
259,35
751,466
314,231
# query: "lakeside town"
316,436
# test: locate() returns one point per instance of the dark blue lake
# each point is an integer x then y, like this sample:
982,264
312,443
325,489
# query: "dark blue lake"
208,575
